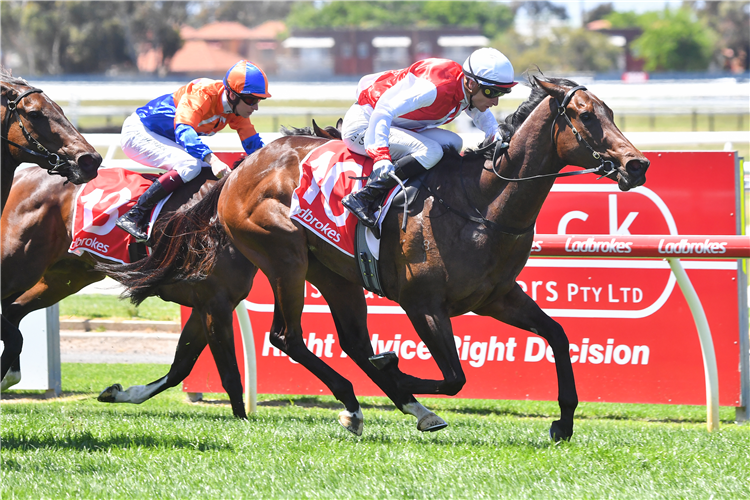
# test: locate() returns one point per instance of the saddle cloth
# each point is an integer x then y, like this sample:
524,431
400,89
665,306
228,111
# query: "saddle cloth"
325,178
99,204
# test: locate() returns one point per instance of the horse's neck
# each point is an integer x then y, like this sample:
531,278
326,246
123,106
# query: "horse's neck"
531,152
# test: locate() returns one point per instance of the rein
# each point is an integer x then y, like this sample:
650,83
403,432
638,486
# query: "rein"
606,168
52,158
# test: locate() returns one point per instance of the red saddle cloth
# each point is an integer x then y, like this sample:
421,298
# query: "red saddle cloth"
325,178
99,204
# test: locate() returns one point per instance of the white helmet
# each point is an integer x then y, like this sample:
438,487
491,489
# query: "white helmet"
490,68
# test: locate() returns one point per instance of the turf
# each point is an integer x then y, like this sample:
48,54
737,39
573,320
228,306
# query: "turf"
294,448
94,306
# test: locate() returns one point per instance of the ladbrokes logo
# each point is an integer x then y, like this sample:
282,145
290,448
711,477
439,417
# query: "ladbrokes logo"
591,245
684,247
323,228
92,243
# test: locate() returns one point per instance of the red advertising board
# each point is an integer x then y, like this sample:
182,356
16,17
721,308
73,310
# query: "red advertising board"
633,338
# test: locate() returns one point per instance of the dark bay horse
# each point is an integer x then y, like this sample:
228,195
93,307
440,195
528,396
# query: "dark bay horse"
38,271
35,130
468,236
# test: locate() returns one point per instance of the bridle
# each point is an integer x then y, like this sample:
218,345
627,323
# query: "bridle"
52,158
605,169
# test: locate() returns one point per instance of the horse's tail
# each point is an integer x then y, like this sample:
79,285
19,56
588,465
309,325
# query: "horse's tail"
186,249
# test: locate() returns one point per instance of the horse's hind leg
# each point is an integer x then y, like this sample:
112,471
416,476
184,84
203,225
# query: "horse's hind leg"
13,343
349,311
519,310
191,344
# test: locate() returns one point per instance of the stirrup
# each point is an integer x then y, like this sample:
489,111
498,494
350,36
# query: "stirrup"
132,227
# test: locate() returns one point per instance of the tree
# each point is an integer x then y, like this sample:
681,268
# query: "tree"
676,41
566,50
490,17
731,20
88,37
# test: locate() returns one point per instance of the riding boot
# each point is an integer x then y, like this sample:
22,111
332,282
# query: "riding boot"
137,218
363,203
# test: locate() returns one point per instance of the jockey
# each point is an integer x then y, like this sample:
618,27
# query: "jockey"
397,115
165,133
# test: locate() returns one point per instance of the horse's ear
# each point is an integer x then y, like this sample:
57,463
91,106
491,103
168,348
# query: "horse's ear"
317,130
550,88
339,123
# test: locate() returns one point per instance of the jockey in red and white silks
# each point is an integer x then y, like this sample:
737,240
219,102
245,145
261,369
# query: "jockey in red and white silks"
165,133
398,114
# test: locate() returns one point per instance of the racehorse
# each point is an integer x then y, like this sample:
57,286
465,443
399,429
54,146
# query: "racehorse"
467,237
35,130
38,271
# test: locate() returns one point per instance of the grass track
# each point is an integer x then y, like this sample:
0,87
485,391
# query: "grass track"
294,448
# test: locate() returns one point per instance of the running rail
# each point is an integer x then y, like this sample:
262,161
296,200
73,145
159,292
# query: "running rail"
672,248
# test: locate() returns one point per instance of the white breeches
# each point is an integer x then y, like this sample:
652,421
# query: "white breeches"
425,146
154,150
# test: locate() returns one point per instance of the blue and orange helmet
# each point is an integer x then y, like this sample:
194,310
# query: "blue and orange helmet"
246,79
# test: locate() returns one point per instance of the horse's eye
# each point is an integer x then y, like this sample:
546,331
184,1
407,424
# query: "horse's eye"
586,116
34,115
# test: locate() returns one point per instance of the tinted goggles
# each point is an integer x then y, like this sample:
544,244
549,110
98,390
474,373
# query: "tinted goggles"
250,100
492,92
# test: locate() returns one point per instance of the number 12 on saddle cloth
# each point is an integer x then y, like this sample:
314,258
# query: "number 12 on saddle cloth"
99,204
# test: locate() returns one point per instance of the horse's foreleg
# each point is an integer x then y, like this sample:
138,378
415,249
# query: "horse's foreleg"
519,310
349,312
436,332
191,344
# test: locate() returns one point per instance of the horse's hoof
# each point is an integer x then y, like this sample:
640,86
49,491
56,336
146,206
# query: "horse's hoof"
108,394
353,422
557,433
384,360
431,423
11,379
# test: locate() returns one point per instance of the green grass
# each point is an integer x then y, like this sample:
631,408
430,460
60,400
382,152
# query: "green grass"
294,448
93,306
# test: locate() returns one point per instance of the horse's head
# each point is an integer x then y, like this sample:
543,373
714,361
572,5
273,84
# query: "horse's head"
35,130
600,140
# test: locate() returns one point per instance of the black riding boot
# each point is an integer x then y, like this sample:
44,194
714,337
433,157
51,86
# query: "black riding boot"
136,219
363,203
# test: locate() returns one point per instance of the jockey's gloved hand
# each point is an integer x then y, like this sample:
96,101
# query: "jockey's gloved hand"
218,167
382,168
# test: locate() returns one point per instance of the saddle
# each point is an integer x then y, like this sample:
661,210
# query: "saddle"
366,261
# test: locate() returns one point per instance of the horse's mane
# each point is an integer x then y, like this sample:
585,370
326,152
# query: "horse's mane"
6,76
514,120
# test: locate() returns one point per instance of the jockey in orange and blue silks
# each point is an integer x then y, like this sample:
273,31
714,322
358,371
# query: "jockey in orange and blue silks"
397,116
165,133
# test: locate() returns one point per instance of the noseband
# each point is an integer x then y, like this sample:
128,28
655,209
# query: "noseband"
605,169
52,158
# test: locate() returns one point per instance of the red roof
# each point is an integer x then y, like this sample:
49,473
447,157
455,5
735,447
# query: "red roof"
268,30
224,30
197,56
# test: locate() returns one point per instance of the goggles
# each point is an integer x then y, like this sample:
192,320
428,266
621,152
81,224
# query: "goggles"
248,99
492,92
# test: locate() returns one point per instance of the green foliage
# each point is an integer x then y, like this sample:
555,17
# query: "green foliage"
94,306
294,448
492,18
672,40
86,37
567,50
676,41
